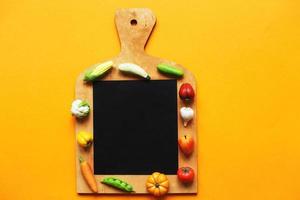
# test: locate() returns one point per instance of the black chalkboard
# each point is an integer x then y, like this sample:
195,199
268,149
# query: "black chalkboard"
135,127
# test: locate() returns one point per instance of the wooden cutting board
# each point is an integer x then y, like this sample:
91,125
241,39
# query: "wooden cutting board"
134,28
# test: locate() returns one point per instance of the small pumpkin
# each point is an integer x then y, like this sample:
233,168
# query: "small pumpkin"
157,184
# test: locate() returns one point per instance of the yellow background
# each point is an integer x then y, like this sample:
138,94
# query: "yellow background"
244,54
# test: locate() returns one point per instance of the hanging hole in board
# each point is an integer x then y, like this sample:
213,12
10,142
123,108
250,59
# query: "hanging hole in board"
133,22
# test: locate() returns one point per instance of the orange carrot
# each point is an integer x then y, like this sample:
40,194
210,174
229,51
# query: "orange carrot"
88,175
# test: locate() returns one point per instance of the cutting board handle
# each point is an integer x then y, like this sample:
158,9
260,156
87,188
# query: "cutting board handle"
134,27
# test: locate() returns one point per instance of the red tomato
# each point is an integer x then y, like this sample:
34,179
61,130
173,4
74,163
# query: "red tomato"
185,174
186,92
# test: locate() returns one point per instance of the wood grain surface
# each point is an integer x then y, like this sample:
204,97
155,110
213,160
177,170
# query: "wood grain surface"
133,38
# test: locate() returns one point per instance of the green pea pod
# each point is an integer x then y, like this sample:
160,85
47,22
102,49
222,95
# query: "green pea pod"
170,70
117,183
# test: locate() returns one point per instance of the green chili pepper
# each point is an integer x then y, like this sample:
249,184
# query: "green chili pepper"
117,183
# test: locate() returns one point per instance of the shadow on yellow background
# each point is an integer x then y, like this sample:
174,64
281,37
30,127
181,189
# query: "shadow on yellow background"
244,54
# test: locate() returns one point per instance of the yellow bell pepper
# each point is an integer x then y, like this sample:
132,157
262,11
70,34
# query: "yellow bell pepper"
84,139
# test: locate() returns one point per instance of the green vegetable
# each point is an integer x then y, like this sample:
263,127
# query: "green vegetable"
84,103
170,70
117,183
99,70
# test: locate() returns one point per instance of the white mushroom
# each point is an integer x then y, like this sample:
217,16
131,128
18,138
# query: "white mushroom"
187,114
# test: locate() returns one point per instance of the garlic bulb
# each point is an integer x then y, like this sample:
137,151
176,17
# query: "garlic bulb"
80,108
187,114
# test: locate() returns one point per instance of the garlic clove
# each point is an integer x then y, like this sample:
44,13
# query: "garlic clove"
187,114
